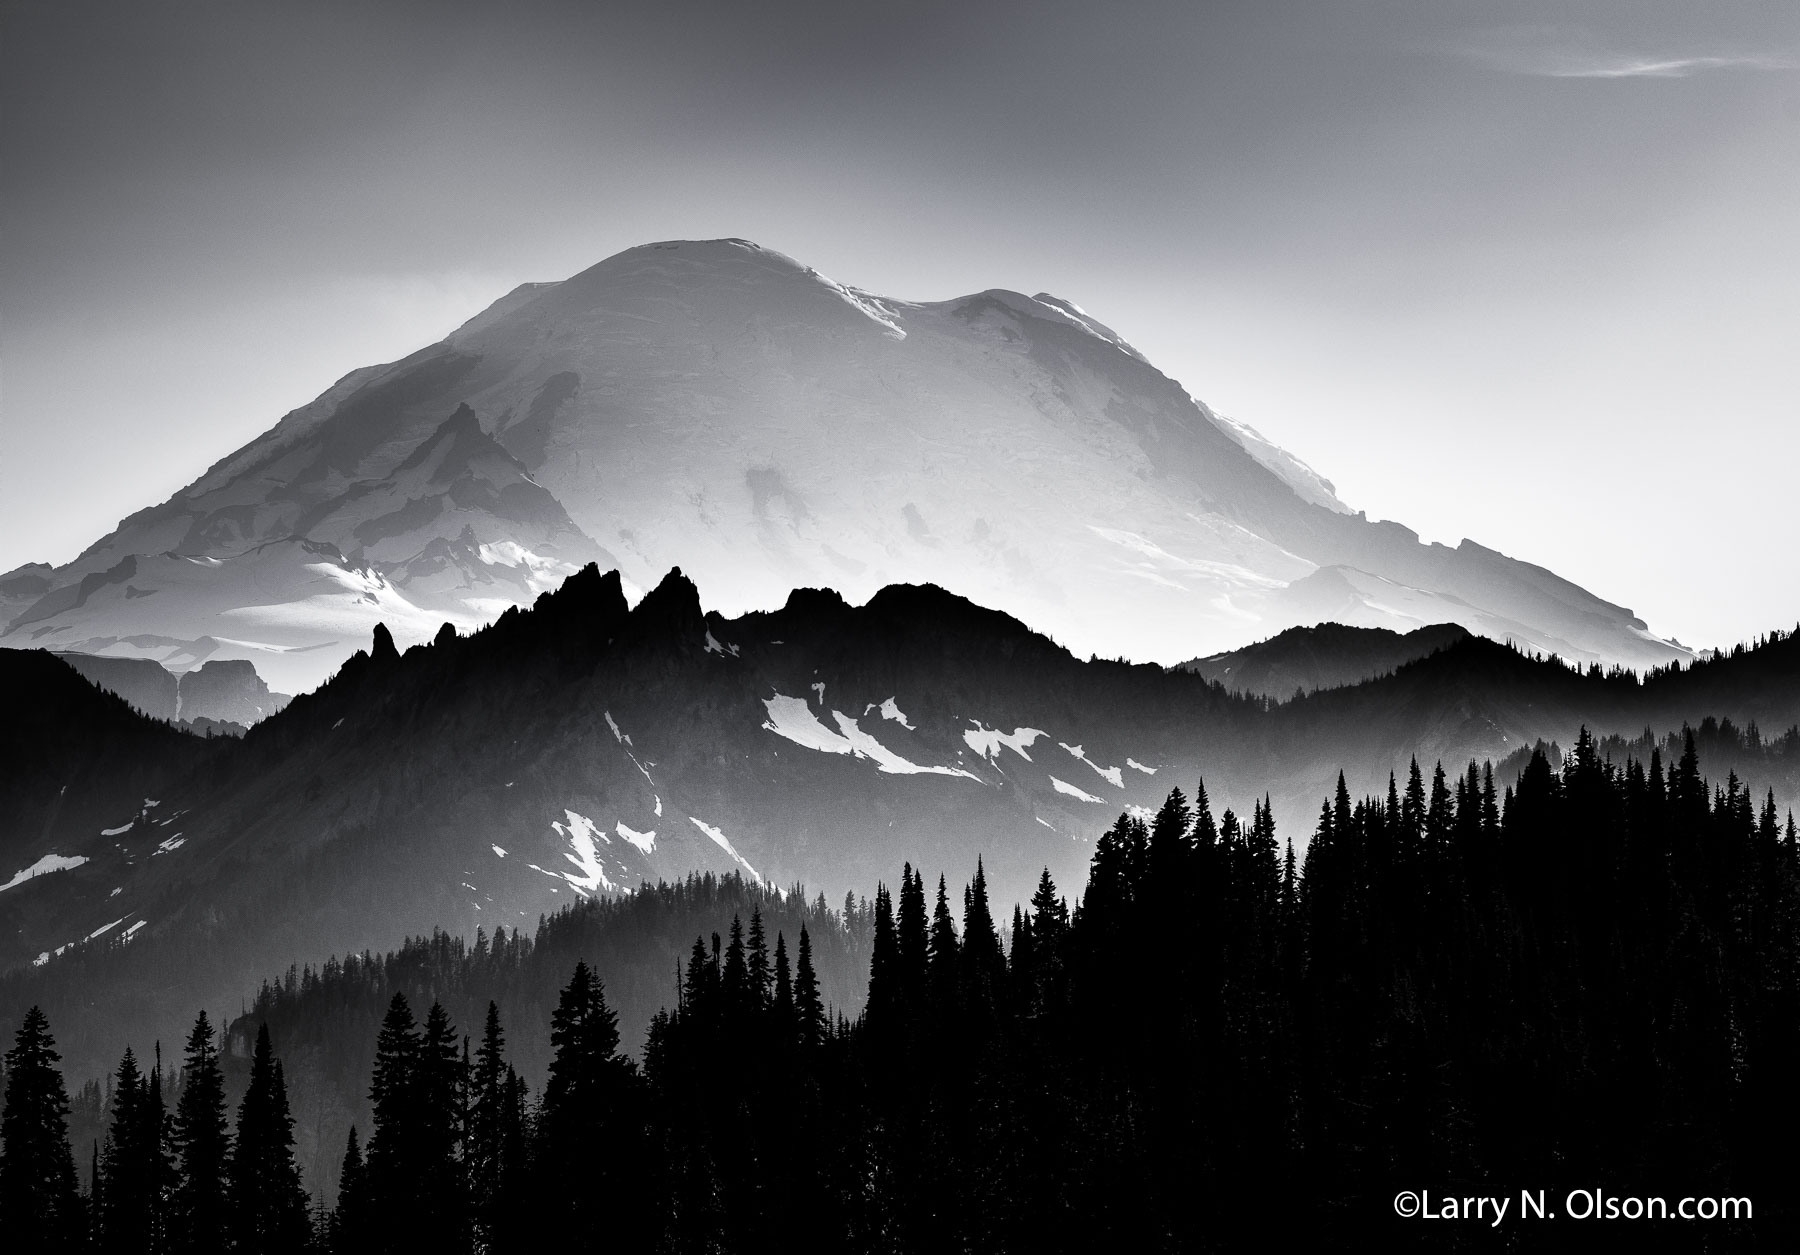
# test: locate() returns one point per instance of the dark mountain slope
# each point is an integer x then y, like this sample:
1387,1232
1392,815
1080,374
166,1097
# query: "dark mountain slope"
1330,655
582,747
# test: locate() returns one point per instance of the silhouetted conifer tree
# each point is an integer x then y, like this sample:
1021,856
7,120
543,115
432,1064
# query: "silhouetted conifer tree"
203,1148
267,1204
40,1200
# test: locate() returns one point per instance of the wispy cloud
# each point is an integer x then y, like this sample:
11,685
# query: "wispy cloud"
1556,52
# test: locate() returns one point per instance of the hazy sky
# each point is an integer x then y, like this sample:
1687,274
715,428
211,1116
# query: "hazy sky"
1528,273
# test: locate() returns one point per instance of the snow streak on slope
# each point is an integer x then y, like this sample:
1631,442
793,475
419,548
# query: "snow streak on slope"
792,718
720,840
1112,775
1063,786
581,833
43,867
988,741
645,841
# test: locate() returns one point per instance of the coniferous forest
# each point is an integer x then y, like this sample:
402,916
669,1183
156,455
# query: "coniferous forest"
1587,980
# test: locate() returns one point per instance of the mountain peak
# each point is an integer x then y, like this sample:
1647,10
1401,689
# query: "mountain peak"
717,404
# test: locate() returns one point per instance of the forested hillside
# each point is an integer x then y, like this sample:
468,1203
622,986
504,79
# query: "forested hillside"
1591,980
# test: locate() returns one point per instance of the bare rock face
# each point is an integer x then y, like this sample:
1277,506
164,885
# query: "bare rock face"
720,407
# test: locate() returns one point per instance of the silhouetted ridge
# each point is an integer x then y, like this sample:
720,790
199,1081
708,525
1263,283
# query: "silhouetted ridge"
1330,655
381,646
670,611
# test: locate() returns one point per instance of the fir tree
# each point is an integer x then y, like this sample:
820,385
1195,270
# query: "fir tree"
391,1170
40,1201
354,1219
486,1127
913,929
762,977
203,1147
267,1201
808,1008
437,1138
133,1164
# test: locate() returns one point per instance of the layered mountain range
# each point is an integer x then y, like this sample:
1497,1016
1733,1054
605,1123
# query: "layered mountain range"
718,406
587,746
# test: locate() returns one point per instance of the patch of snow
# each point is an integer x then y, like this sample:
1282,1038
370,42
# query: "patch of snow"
499,851
120,831
889,710
1112,775
581,832
658,806
866,746
719,839
1063,786
645,841
106,927
338,724
116,892
713,646
792,718
149,802
172,844
43,867
987,741
618,736
819,688
1135,765
1046,823
129,932
41,959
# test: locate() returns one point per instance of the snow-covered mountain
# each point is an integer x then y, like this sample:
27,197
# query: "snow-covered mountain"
721,407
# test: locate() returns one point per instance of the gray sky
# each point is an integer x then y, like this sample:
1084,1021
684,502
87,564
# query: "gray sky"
1523,272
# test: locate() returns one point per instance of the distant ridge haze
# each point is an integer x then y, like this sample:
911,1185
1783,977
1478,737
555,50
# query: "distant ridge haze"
722,407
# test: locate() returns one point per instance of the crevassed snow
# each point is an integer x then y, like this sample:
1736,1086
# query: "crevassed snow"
987,741
43,867
720,840
581,832
1063,786
120,831
173,843
1303,479
645,841
871,307
500,852
890,709
1112,775
1135,765
792,718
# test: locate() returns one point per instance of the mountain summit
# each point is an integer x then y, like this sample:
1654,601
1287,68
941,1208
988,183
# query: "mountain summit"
720,406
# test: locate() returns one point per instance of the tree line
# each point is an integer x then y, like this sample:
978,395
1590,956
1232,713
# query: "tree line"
1591,978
